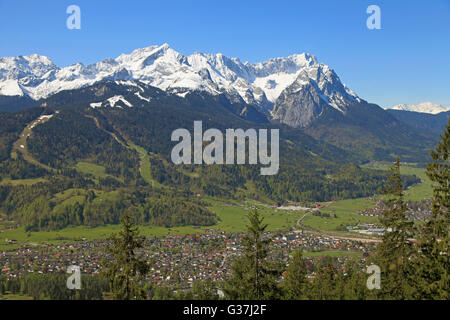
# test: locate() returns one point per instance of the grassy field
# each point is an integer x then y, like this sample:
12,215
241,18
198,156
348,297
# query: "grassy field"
144,165
70,196
92,169
345,212
232,218
233,215
423,190
26,182
10,296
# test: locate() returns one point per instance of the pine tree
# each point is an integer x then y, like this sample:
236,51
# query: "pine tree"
433,263
355,283
253,277
394,252
126,271
325,283
205,290
295,285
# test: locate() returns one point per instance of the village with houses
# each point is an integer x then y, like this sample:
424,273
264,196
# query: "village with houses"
180,260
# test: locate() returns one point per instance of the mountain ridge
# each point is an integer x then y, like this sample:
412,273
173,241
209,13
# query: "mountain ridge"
296,91
424,107
259,84
434,123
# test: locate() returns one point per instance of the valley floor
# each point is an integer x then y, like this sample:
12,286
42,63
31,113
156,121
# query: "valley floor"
183,255
331,219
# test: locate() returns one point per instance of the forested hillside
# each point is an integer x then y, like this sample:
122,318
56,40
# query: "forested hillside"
86,165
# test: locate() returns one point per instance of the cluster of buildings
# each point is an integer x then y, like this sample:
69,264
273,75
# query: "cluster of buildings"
48,258
368,229
176,260
182,260
417,210
316,242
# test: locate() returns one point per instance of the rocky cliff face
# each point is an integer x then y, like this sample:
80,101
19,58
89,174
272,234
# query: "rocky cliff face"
314,90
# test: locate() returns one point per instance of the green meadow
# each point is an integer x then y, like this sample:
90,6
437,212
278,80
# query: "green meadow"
232,214
92,169
145,166
74,234
18,182
346,210
341,213
15,297
423,190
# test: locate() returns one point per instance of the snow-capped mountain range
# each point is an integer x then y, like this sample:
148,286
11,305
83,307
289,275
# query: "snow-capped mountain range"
424,107
259,84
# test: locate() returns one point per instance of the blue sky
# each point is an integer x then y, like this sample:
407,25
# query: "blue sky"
407,61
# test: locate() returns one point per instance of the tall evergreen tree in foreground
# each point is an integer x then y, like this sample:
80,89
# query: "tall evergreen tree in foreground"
295,285
394,252
433,263
201,290
325,285
126,271
353,282
253,277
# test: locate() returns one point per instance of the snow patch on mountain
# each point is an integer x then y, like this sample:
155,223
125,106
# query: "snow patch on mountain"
111,102
41,120
138,94
96,104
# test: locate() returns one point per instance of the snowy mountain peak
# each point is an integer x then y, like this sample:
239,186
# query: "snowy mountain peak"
424,107
161,66
19,72
13,68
